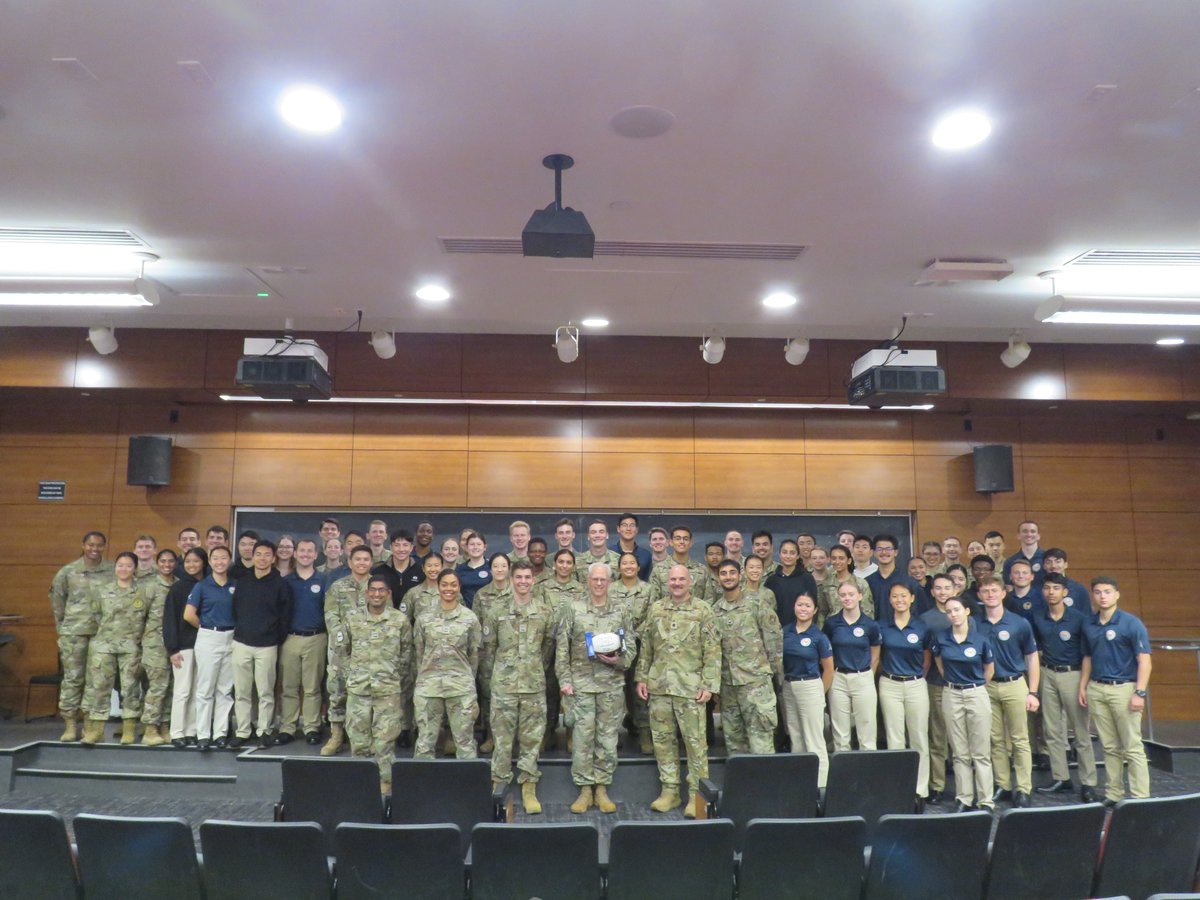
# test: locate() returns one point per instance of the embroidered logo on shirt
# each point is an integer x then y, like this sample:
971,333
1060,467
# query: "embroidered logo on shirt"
969,652
1003,635
1110,634
858,632
1068,601
1065,635
805,642
315,588
914,638
1028,604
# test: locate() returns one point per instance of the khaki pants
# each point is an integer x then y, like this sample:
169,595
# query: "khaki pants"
804,712
905,706
1010,736
852,702
1121,735
253,667
968,716
301,665
214,683
1060,712
938,741
183,705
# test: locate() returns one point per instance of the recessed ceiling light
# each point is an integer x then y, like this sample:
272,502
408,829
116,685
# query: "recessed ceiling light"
642,121
961,129
779,300
311,109
432,293
594,322
1169,342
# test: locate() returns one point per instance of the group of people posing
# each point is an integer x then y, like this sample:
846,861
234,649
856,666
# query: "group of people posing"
389,636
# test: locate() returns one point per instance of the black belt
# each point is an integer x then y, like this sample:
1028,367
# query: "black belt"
1007,679
800,677
219,628
308,633
850,671
1112,681
1062,668
891,677
962,687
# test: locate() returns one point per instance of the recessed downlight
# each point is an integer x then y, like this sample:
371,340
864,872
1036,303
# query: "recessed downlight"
1169,341
594,322
961,129
432,293
779,300
311,109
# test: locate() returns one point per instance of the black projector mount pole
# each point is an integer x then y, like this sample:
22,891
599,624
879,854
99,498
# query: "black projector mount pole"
558,162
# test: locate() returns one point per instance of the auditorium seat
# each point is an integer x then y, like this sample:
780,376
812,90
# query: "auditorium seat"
35,857
782,786
548,861
1151,846
671,859
122,857
402,862
330,792
929,856
432,791
264,859
1048,852
871,784
793,859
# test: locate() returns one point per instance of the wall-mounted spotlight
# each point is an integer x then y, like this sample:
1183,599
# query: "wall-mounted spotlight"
383,344
713,349
1018,351
102,339
566,343
795,351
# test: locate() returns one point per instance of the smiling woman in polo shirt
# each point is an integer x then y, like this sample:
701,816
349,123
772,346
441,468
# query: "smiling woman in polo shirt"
852,698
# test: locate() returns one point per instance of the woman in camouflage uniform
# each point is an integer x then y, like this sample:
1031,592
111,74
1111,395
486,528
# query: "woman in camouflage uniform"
116,648
154,654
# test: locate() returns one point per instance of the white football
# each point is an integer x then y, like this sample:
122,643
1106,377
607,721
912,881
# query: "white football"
606,642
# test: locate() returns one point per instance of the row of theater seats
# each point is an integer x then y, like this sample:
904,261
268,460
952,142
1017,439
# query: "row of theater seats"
1049,852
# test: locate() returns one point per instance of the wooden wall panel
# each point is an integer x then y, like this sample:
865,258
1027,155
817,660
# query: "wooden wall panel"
1151,437
147,358
1071,438
195,427
89,475
860,482
1175,667
163,522
1122,372
1127,577
508,364
524,480
38,357
424,364
200,477
937,435
749,431
34,652
291,477
750,481
414,478
1062,483
948,482
975,370
1166,485
295,427
27,589
49,533
513,428
1167,540
1169,599
424,428
756,368
1096,541
639,480
666,368
881,434
74,422
1189,368
1174,702
638,431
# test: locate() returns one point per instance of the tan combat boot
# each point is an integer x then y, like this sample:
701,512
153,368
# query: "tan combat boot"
489,743
583,801
128,731
689,805
646,741
603,803
152,736
337,737
385,788
667,800
530,801
449,748
93,731
71,732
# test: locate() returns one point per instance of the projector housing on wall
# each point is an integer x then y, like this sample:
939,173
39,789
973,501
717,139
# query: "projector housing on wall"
284,369
892,375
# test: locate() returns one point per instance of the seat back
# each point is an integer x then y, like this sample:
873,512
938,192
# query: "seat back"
432,791
671,859
510,861
929,856
330,792
1151,846
404,862
122,857
828,853
1046,852
264,859
35,856
871,784
783,786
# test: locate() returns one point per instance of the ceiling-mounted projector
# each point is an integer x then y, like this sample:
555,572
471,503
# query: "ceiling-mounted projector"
284,369
558,231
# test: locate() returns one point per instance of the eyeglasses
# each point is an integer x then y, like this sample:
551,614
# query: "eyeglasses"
372,590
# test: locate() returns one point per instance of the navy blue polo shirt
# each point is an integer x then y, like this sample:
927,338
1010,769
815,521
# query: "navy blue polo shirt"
214,603
963,663
1115,647
308,599
336,575
852,643
471,580
644,558
1061,642
1028,606
1011,640
1078,596
881,592
904,648
1035,561
935,620
803,651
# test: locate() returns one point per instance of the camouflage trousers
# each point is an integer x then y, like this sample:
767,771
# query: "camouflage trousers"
665,712
373,724
158,682
102,671
639,709
594,750
335,685
460,712
73,651
521,717
748,717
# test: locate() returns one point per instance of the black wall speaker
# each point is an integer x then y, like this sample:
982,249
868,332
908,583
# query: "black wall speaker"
149,460
994,469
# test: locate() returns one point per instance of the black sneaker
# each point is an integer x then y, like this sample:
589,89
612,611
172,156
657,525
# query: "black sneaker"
205,744
191,740
179,744
312,738
220,743
284,738
934,797
1055,787
1001,794
1087,794
266,739
234,743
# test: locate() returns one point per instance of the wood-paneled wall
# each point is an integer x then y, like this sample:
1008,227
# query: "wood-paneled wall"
1121,496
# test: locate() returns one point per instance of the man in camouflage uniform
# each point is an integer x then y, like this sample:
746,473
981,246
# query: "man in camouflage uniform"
559,590
751,656
346,595
72,600
518,536
636,598
155,663
595,682
518,644
597,552
379,671
681,543
678,671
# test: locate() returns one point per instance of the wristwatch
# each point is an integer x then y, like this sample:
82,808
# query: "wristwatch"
1037,695
1140,693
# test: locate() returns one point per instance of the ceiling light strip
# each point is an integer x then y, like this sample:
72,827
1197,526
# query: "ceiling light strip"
622,404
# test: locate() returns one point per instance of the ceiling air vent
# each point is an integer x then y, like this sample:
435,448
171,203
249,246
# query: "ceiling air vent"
657,249
74,236
1137,258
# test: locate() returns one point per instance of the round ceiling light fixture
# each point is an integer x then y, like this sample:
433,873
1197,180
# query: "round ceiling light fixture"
432,293
310,109
779,300
642,121
961,129
594,322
